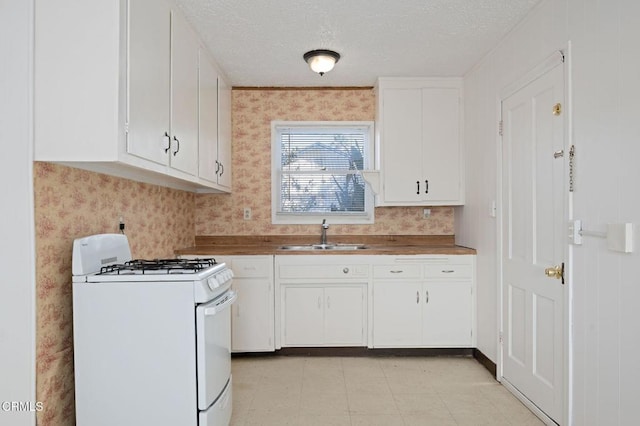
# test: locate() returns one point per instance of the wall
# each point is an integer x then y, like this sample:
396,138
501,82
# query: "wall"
253,111
71,203
17,316
605,293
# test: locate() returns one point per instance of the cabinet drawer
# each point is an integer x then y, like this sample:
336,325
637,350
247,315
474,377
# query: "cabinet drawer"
251,268
397,271
323,271
448,271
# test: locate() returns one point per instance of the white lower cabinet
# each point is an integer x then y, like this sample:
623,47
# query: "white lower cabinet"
322,300
323,315
424,302
252,314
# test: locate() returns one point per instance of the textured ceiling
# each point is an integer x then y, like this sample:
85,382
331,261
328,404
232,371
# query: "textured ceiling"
261,42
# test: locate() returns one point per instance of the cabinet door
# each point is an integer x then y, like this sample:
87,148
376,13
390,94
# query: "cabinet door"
402,145
252,329
149,113
224,133
397,314
447,314
208,122
303,320
440,179
184,96
344,315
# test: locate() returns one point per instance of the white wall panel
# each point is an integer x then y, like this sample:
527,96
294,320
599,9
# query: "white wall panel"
17,288
606,126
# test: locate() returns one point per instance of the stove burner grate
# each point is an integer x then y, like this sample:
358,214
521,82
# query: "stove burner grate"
169,266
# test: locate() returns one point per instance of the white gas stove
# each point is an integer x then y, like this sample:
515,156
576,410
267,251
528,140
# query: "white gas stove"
152,338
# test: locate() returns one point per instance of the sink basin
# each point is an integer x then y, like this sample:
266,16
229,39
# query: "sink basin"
325,247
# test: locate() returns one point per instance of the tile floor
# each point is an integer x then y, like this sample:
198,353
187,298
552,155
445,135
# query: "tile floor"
364,391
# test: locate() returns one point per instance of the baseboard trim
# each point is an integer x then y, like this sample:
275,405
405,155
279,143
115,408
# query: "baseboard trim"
362,352
485,361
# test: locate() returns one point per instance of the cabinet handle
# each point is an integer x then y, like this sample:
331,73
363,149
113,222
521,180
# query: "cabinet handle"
217,166
426,184
166,135
447,271
319,302
417,297
397,271
426,296
418,185
328,302
221,169
178,148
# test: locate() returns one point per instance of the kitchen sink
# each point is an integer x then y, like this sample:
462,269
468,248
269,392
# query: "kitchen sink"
324,247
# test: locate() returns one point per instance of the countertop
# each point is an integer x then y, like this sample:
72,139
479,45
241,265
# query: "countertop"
374,245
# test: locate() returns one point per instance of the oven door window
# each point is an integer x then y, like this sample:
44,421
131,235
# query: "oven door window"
213,341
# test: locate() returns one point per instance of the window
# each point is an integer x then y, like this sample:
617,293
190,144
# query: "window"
316,171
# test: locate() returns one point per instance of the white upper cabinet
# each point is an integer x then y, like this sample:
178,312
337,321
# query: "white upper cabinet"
215,125
224,134
208,122
419,143
184,96
116,90
149,118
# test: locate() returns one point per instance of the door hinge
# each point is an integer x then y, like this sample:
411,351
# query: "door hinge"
500,127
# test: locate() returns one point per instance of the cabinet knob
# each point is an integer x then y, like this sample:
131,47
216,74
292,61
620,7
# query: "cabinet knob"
345,270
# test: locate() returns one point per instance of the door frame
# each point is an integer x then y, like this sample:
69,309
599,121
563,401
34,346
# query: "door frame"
556,58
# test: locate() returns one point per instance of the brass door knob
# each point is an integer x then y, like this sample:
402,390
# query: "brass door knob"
554,272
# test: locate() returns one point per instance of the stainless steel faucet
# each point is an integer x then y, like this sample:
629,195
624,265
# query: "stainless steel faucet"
323,234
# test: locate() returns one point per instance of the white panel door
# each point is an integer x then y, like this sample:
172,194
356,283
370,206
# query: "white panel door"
397,313
184,96
447,314
440,180
252,315
533,239
224,133
208,120
149,81
344,315
402,127
303,320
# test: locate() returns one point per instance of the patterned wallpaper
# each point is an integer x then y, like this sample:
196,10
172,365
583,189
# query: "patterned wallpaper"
71,203
253,111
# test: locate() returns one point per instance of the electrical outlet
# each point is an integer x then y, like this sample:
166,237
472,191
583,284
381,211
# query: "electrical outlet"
426,213
247,213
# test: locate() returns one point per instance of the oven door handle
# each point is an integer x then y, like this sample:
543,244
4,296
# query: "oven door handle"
222,305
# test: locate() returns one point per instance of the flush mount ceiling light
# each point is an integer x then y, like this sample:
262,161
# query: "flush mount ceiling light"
321,60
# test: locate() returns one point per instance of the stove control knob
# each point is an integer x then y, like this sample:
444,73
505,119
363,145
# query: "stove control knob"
213,283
